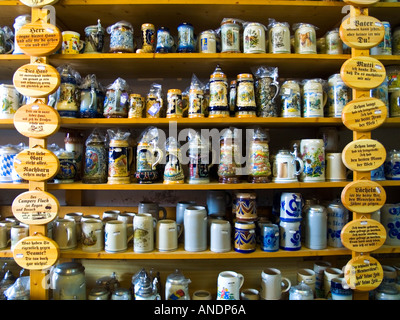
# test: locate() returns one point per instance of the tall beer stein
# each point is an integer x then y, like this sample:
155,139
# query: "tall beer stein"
119,157
67,103
245,96
313,155
218,105
227,170
199,164
259,165
267,89
173,172
314,98
290,99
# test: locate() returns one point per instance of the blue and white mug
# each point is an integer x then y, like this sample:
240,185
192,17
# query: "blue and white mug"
390,219
290,238
291,207
340,292
269,237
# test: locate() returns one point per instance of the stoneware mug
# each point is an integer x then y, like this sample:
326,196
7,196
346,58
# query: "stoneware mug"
64,233
272,284
229,284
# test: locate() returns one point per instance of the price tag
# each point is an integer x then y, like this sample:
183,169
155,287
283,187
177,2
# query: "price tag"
39,39
363,273
363,73
364,114
36,252
36,164
363,235
362,32
38,3
36,80
36,120
364,155
361,3
35,207
363,196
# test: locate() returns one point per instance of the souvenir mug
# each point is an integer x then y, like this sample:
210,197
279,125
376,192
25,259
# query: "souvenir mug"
119,158
259,167
273,284
390,219
338,96
291,207
136,106
92,235
245,236
305,39
228,285
220,236
94,38
153,208
167,233
279,38
10,101
254,38
385,46
195,228
115,236
71,43
218,104
333,42
269,237
96,159
116,103
207,42
164,40
143,230
175,104
186,39
199,163
285,167
338,291
230,36
121,37
313,155
88,107
314,98
196,103
17,233
245,96
146,162
148,35
266,90
392,165
67,103
64,233
290,99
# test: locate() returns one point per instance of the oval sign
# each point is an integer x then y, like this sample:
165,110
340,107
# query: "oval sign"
36,80
363,73
363,235
39,39
38,3
363,273
361,3
364,114
36,252
364,155
36,120
361,32
36,164
35,207
363,196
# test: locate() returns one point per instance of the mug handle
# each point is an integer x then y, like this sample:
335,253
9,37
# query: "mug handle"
180,229
289,284
159,157
12,47
164,216
276,85
68,230
241,278
301,163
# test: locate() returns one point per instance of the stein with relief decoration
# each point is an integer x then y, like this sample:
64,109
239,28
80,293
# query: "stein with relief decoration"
259,165
218,105
119,158
245,96
228,167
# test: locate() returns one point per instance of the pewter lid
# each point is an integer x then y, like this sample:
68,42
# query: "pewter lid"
317,208
98,291
69,268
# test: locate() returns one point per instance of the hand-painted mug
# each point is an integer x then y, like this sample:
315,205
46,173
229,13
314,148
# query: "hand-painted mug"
92,235
291,207
313,155
71,43
229,284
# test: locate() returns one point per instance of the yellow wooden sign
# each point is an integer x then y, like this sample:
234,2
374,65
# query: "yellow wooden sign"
35,207
361,3
363,273
363,196
36,80
38,3
36,252
363,235
36,120
363,73
364,155
39,38
364,114
361,32
36,164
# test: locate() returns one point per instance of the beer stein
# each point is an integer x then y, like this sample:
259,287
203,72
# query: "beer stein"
18,23
228,167
148,34
173,172
96,159
218,105
314,98
267,89
175,104
148,156
136,106
304,38
290,99
230,35
285,166
177,286
199,164
121,37
116,104
94,38
6,40
254,38
279,37
164,40
338,95
10,101
229,284
119,157
245,96
90,98
313,155
67,101
259,165
186,39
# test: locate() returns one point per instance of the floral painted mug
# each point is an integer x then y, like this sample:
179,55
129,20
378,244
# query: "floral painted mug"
313,155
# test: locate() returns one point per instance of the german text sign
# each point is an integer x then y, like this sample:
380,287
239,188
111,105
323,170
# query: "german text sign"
364,155
36,164
36,120
363,196
363,73
35,207
363,235
36,252
361,32
364,114
363,273
36,80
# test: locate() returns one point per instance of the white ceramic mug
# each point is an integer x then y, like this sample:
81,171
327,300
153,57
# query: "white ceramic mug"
143,230
115,236
220,236
18,232
64,233
92,235
335,168
308,277
4,241
167,233
127,217
329,274
77,216
110,215
195,228
319,268
272,284
229,284
291,206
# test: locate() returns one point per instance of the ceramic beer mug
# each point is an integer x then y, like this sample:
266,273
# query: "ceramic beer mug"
167,233
229,284
143,230
64,233
313,155
195,228
18,232
273,284
153,208
10,101
285,167
92,235
314,98
335,168
115,236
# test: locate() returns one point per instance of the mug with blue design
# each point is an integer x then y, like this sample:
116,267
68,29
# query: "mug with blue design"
164,41
291,206
245,206
392,165
378,174
390,219
339,290
269,237
290,237
245,237
186,39
7,155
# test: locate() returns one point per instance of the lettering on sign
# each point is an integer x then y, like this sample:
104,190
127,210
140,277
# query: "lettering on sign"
363,73
362,32
363,196
36,120
36,252
39,39
364,155
36,80
363,235
364,114
363,273
36,164
35,207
